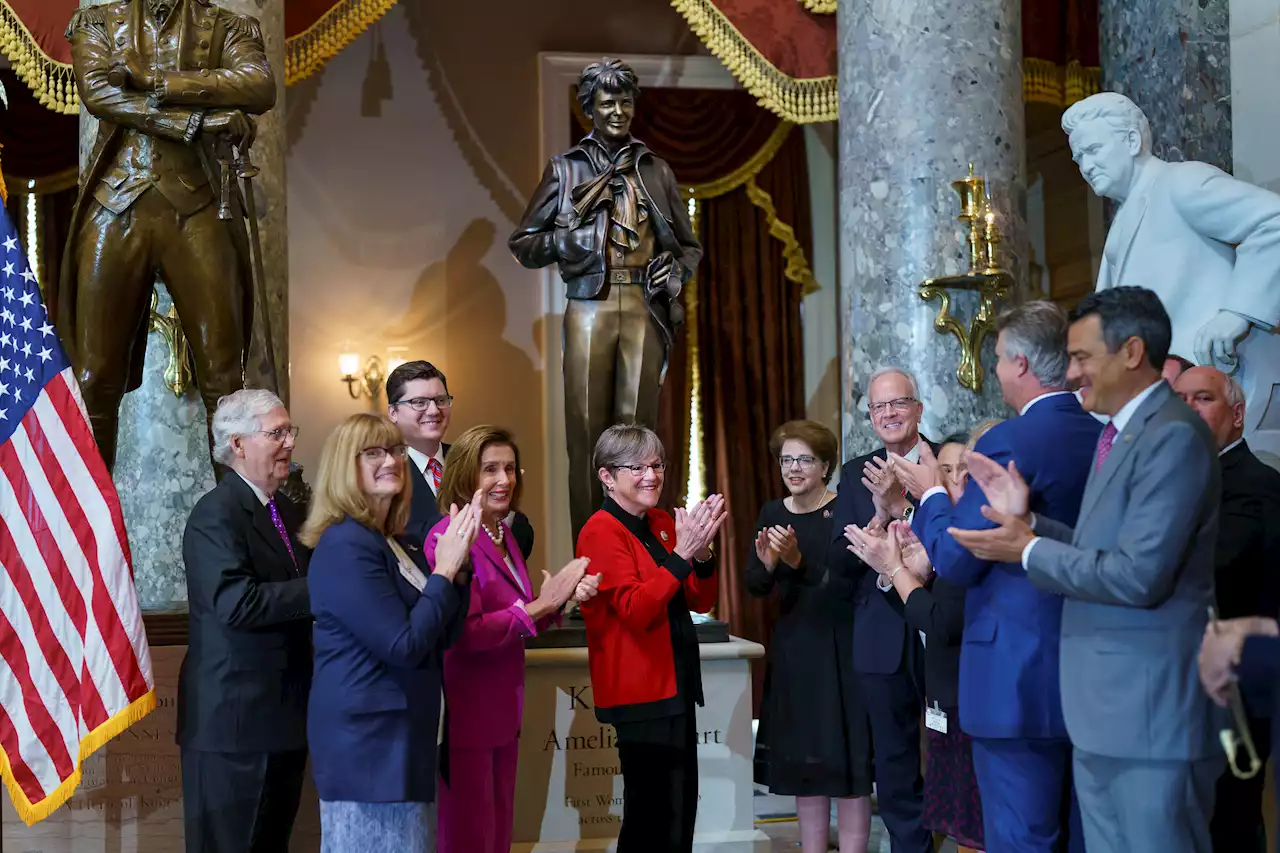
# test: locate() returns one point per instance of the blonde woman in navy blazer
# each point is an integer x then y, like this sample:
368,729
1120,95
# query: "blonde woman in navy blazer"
382,622
484,669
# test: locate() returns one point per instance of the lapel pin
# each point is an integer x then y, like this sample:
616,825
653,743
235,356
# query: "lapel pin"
664,536
826,513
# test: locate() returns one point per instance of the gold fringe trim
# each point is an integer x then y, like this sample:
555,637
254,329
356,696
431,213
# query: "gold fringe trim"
797,269
33,813
51,81
820,7
4,191
802,101
1045,82
308,51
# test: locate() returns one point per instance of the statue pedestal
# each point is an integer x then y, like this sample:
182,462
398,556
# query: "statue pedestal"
162,469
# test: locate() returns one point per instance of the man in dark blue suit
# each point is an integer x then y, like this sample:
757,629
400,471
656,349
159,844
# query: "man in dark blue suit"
886,654
1010,703
419,403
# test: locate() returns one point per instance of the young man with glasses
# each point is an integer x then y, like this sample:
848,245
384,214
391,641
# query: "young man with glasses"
419,403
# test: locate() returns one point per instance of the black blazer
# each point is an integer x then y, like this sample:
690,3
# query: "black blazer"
937,609
880,635
245,679
1247,557
424,512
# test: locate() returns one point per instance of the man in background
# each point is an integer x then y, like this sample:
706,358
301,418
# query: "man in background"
419,403
887,661
1246,575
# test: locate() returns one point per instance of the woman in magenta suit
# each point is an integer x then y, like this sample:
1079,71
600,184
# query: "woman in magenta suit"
484,669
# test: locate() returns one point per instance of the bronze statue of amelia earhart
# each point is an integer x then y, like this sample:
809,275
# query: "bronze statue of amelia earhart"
609,212
174,83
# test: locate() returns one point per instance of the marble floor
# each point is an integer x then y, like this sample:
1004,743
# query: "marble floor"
775,816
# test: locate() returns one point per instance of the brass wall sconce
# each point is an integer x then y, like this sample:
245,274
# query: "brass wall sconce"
984,276
363,381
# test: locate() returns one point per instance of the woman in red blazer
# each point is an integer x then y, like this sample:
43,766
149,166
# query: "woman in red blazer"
645,672
484,668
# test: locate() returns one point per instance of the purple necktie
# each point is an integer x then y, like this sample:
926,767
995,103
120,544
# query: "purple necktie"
275,519
1105,441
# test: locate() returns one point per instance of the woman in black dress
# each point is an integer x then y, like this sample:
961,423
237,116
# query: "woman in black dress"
813,740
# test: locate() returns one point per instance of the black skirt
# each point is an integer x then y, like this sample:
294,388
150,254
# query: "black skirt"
814,739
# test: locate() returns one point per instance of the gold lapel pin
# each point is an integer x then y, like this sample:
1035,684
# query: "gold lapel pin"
664,536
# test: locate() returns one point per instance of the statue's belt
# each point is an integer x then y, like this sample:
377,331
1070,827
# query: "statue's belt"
626,275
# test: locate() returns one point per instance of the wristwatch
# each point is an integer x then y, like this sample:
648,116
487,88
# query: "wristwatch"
908,513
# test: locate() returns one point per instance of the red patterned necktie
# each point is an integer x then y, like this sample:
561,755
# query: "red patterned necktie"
433,466
1105,441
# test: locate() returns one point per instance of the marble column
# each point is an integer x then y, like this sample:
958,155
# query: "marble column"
1255,109
1173,59
925,89
162,458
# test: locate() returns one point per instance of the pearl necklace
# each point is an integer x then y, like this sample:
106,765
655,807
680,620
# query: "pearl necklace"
496,538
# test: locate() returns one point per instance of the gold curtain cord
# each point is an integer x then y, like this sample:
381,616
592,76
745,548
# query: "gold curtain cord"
308,51
801,101
51,81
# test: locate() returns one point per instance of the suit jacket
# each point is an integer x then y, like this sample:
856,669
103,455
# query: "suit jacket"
484,668
550,233
1259,679
219,63
375,702
424,512
1247,557
1137,573
880,634
244,681
1009,660
1205,241
937,611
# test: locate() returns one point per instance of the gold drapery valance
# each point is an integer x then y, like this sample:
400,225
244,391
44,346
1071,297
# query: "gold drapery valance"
784,51
32,37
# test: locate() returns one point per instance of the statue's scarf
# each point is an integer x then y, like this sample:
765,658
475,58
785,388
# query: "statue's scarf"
613,185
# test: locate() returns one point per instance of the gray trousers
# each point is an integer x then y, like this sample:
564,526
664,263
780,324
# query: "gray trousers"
1139,806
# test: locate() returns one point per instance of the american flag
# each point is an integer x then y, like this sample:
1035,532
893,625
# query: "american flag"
75,669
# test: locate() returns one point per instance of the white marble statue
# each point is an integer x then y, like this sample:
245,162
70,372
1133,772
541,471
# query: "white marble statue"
1207,243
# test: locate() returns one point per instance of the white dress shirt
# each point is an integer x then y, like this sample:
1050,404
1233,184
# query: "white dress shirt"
421,459
1230,447
1121,420
262,496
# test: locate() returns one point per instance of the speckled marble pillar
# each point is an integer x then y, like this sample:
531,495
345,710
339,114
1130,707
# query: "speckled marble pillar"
162,458
925,88
1173,59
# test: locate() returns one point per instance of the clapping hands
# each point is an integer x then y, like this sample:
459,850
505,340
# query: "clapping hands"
697,527
454,545
778,543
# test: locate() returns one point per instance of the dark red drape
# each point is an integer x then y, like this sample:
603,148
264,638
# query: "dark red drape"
750,351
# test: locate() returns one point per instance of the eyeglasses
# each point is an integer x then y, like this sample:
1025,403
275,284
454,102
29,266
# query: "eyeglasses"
420,404
639,470
805,462
899,405
378,455
281,435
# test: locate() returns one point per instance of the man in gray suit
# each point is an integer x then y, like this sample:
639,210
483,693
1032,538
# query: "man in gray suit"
1137,575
